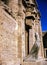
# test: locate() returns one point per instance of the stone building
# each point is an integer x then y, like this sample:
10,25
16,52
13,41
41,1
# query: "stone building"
19,20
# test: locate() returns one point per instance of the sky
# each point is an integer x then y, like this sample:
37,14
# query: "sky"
42,6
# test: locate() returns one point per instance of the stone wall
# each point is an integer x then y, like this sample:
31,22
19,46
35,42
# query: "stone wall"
8,39
17,31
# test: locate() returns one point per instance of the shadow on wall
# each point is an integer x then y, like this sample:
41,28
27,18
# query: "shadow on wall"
45,40
5,1
45,45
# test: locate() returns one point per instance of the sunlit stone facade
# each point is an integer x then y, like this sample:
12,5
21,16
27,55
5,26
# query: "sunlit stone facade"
19,20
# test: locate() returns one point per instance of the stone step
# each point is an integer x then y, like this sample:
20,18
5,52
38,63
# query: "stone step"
31,63
35,63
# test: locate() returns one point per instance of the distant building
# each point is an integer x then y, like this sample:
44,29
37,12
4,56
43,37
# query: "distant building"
45,43
19,20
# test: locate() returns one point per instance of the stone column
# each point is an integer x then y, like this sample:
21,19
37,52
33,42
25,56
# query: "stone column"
41,46
19,15
13,5
31,39
28,26
32,35
26,43
38,29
